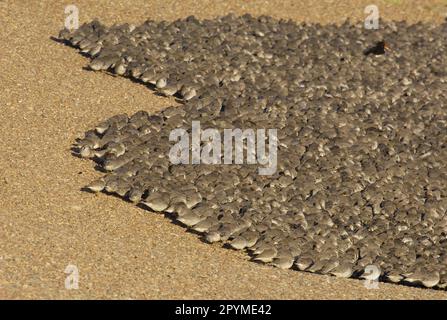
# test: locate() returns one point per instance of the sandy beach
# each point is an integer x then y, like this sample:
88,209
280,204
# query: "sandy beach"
48,99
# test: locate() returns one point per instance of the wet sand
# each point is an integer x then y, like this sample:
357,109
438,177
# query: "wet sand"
48,99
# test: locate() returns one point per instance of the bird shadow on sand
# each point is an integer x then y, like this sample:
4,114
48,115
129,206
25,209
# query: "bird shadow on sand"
150,86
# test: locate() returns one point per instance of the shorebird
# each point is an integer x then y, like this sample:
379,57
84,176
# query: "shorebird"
157,201
349,189
304,262
266,255
206,224
283,262
212,237
238,243
97,185
190,219
379,48
343,270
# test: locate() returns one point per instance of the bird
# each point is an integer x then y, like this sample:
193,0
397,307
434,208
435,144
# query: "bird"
238,243
267,255
283,262
212,237
379,48
343,270
157,202
97,185
190,219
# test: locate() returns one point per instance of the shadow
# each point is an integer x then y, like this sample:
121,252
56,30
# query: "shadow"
98,166
150,86
68,44
178,99
229,247
63,41
76,154
85,189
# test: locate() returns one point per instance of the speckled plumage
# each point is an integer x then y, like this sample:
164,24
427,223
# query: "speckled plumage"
361,173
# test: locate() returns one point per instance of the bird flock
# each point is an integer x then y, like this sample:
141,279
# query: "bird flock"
361,177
